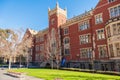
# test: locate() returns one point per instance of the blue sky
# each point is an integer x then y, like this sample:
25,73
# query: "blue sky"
34,13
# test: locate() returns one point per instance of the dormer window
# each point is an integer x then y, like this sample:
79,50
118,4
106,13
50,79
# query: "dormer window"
111,1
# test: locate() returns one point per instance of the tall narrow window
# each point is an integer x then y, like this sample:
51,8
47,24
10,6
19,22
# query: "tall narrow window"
116,11
118,25
102,51
114,29
100,34
117,45
108,32
119,10
111,50
66,31
37,48
66,40
67,51
98,18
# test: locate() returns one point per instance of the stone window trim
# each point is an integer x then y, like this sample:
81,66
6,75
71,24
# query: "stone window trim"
102,34
117,47
64,40
41,45
110,1
41,38
85,35
37,48
52,21
37,39
69,51
65,31
83,23
112,8
111,28
110,50
87,48
105,55
98,17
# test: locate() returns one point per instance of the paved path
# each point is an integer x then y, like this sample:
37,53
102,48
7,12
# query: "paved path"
4,76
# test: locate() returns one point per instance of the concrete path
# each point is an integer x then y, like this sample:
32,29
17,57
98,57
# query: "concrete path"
4,76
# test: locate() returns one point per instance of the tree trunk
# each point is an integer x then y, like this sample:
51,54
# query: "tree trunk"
20,62
9,67
57,64
52,64
27,61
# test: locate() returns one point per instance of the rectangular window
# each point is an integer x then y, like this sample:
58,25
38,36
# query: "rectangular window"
98,18
111,50
100,34
118,25
86,52
37,57
84,39
111,1
108,32
114,29
41,38
119,10
37,39
66,31
102,51
117,45
84,25
41,47
67,51
115,11
37,48
112,12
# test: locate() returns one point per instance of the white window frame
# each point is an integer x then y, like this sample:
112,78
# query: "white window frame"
99,18
113,12
100,36
66,31
105,55
84,25
110,1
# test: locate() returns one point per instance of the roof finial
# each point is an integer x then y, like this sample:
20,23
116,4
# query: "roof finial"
48,8
57,4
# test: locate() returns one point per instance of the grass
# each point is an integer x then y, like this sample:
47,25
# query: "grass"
49,74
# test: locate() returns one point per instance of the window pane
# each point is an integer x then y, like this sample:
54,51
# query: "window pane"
111,12
115,11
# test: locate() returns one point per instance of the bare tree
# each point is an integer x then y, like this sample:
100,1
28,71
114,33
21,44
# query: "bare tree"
12,44
53,47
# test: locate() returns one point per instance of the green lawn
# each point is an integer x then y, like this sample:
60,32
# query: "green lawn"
49,74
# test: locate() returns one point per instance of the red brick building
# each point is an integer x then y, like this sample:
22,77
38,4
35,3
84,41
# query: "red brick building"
91,39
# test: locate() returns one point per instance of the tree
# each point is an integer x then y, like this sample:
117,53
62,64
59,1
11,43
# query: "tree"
53,47
12,44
